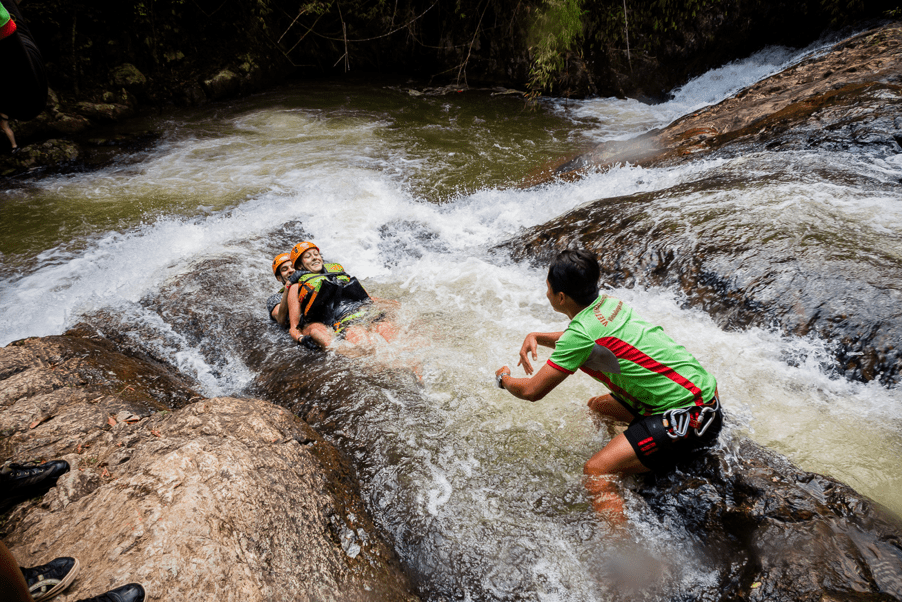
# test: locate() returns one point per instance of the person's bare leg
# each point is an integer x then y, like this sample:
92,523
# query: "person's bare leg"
12,582
606,405
617,457
386,330
4,125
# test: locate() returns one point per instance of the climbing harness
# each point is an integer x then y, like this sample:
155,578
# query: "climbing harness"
699,418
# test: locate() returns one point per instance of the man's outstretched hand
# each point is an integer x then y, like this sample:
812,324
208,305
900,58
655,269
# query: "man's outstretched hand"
530,345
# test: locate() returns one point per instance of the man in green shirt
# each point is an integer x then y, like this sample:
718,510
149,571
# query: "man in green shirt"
655,384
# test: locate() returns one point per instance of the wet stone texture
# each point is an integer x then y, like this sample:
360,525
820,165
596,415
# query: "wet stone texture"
224,498
807,278
773,532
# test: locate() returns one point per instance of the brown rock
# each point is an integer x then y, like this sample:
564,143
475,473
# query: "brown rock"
223,84
227,499
129,77
65,123
104,112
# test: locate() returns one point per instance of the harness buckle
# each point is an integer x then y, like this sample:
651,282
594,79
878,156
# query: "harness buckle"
700,418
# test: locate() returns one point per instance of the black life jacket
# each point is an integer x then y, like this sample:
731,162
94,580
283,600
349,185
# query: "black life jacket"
320,293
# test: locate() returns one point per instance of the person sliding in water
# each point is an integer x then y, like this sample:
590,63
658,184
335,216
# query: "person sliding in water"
324,302
277,303
656,385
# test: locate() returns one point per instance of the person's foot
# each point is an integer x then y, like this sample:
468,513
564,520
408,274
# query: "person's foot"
19,482
47,580
133,592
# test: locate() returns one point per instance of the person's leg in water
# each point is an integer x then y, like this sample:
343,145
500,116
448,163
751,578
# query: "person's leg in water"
386,330
617,457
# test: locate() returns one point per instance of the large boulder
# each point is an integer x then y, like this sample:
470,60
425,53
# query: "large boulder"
222,85
129,77
225,498
767,530
53,153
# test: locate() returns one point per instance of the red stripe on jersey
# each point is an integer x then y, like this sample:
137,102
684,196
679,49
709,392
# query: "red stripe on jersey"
623,350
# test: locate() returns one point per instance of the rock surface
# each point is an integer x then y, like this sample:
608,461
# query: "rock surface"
770,531
227,499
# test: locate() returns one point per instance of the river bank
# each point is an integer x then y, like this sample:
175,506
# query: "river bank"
190,54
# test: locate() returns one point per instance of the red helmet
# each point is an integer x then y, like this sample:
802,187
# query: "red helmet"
299,249
278,261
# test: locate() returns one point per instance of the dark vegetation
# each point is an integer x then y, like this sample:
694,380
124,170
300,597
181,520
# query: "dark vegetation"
561,47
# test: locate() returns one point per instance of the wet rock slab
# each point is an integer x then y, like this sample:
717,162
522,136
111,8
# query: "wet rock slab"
756,274
770,531
225,498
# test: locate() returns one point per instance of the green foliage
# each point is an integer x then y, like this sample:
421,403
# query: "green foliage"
843,12
555,29
647,22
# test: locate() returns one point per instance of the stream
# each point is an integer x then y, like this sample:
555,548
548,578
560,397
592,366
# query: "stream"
410,190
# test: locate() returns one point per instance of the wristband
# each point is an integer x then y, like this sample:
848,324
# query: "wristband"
499,377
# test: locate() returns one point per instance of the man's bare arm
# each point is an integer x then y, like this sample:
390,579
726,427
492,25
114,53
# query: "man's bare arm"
294,312
280,311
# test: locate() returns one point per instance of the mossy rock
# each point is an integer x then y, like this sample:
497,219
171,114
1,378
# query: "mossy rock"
128,77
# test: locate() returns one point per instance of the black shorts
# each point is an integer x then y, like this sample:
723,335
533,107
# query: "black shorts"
657,450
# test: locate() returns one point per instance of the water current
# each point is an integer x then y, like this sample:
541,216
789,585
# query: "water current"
481,492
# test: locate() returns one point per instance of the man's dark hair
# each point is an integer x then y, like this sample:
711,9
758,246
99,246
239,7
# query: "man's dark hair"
575,272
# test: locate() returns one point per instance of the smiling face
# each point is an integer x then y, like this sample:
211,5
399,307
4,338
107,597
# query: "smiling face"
312,260
285,270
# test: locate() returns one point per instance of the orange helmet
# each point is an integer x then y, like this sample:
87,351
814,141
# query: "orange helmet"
299,249
279,260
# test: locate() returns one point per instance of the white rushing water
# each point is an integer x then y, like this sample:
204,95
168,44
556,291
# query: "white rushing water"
487,476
